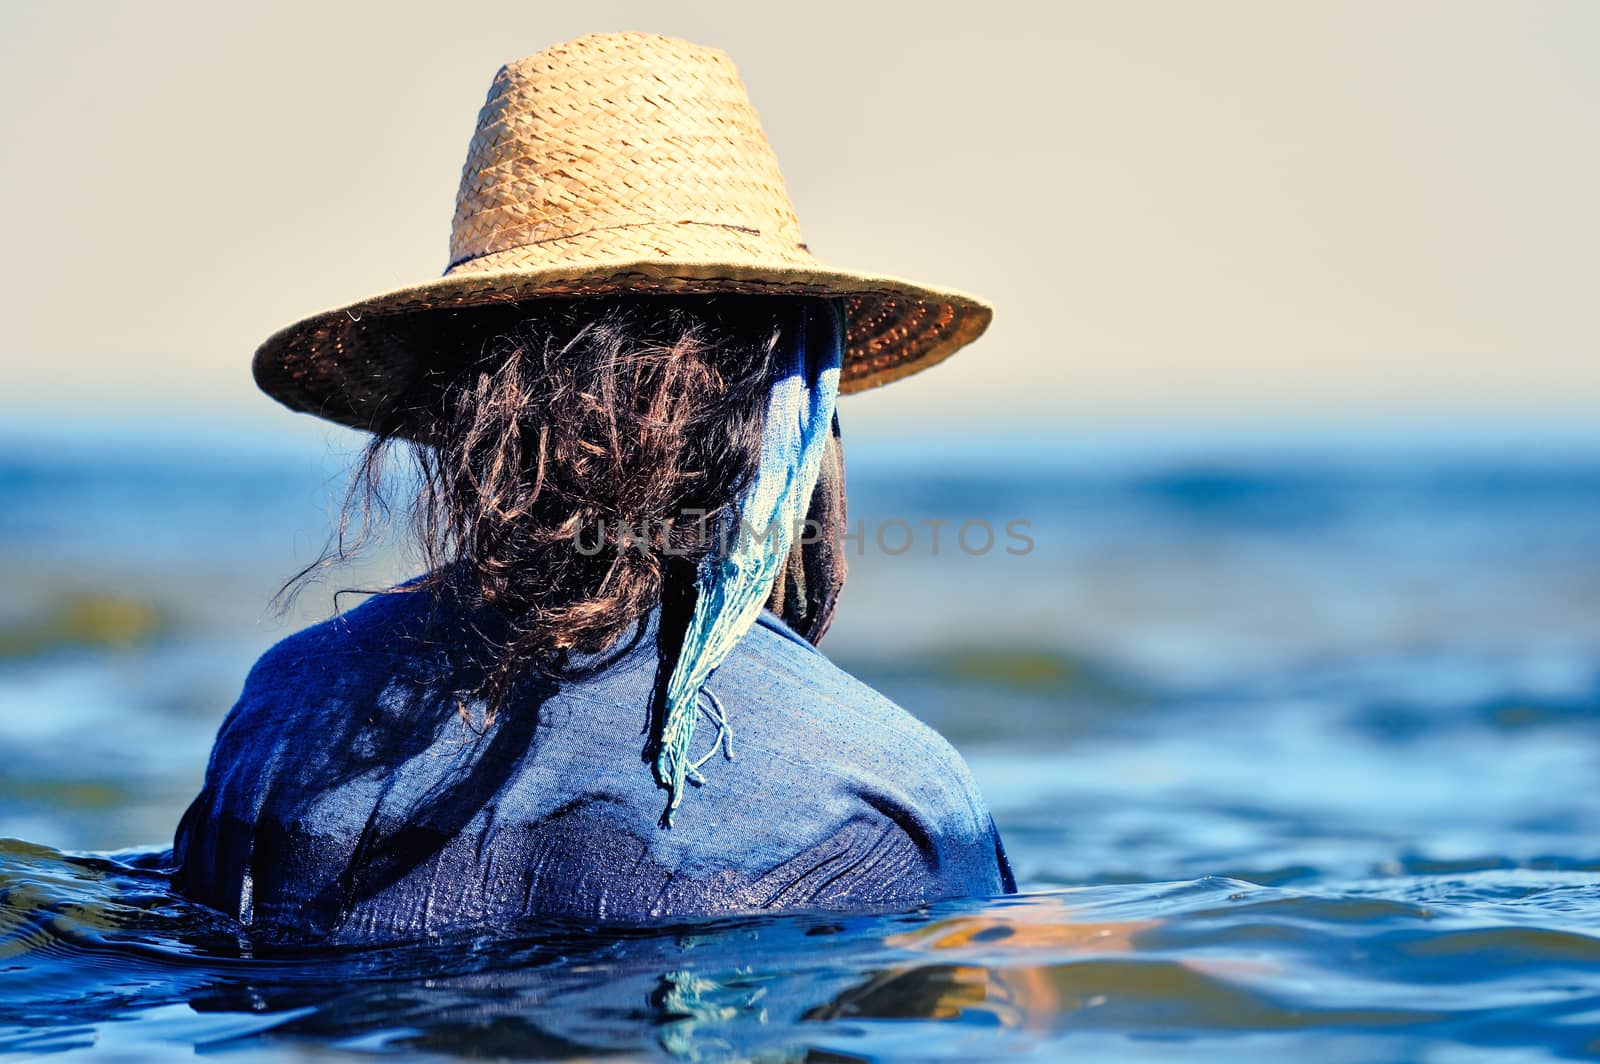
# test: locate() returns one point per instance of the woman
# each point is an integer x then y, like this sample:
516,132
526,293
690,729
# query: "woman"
619,399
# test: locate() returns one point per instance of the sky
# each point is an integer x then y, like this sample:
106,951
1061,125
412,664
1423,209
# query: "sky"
1235,211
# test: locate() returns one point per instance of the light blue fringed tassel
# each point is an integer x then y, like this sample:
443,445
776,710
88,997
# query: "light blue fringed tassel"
735,580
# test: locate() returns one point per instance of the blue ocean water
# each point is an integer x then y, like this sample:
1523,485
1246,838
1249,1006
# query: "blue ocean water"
1292,737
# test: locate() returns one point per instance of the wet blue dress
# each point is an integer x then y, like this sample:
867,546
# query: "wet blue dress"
354,793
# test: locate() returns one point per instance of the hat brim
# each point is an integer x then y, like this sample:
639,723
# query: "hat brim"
350,364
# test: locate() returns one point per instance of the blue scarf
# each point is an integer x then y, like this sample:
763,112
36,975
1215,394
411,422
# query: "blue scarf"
735,579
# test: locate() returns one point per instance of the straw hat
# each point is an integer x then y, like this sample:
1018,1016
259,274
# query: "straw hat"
616,162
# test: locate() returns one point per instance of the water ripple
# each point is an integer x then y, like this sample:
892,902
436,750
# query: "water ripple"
89,944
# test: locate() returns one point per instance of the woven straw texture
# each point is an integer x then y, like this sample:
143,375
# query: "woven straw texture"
618,162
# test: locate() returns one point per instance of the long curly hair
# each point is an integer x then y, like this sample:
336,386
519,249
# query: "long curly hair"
566,454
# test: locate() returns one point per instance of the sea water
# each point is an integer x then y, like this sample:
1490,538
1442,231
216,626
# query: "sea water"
1293,739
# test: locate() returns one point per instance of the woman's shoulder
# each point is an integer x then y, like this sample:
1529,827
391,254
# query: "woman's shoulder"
806,706
354,662
382,622
792,672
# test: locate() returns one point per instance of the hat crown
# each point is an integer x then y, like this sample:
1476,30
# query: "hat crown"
619,145
615,163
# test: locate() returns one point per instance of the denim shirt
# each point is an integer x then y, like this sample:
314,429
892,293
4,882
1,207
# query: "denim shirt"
357,793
